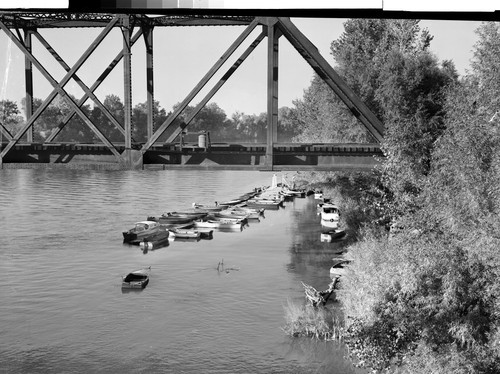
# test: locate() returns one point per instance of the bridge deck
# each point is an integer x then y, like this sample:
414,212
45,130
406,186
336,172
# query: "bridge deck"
286,156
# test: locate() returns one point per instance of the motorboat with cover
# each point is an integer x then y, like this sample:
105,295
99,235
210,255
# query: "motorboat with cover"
330,212
141,230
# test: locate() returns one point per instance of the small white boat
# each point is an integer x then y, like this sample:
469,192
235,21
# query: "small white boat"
228,213
220,224
329,212
259,203
209,208
331,235
329,225
339,267
252,213
185,234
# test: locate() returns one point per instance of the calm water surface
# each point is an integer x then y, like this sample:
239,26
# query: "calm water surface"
62,309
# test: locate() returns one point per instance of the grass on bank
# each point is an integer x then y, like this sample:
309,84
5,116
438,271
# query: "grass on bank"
304,320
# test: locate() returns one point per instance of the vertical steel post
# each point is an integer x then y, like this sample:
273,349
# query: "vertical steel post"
127,82
28,78
148,39
272,88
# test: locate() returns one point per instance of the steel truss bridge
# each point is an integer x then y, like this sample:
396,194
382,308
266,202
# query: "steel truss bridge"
19,149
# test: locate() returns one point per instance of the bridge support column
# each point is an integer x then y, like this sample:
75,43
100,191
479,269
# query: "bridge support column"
127,87
148,40
28,78
133,159
273,34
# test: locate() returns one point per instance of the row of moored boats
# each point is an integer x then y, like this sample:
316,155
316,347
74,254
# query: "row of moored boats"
330,217
200,221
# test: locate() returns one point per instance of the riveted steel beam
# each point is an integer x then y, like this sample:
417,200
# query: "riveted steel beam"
147,32
127,79
273,35
199,86
218,85
58,88
28,79
94,87
82,85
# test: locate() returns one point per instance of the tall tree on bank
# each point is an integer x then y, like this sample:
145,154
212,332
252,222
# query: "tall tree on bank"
388,63
373,57
428,296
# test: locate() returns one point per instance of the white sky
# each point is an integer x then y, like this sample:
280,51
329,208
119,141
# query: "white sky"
182,56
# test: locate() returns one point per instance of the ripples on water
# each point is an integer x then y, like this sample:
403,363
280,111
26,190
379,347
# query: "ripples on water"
62,258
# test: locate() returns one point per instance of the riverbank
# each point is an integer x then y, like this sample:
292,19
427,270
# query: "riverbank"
420,292
356,197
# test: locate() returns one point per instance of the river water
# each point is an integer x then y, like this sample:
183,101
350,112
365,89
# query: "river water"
62,308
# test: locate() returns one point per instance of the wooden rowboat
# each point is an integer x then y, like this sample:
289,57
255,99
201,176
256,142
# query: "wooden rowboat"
137,279
154,241
220,224
185,234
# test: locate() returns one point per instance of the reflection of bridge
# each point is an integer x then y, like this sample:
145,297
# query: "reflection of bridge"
20,148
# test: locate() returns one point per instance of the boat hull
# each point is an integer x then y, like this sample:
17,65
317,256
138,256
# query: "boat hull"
136,234
138,279
185,234
220,225
155,241
332,235
135,285
262,204
171,220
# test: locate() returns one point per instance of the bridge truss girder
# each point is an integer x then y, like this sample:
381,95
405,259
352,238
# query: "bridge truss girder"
272,27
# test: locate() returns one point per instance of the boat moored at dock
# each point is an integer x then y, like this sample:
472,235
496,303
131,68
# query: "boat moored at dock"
141,230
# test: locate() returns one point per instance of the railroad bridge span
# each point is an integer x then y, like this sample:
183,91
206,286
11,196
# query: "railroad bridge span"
19,149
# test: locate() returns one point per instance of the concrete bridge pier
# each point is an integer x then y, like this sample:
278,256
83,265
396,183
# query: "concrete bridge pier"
132,159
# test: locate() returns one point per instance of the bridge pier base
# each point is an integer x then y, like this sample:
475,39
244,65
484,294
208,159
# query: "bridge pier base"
133,159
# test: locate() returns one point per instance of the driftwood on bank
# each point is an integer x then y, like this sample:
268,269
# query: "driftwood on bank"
316,297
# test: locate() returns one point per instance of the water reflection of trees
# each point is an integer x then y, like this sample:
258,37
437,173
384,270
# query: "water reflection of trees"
321,356
310,258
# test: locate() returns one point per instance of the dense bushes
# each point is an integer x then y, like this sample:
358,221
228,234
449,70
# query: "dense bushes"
424,296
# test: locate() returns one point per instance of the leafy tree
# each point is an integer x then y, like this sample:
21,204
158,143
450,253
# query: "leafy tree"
115,106
210,118
253,127
287,124
248,127
46,122
320,117
427,295
76,130
140,120
10,117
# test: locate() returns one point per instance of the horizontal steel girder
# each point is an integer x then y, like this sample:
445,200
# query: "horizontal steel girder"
326,157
